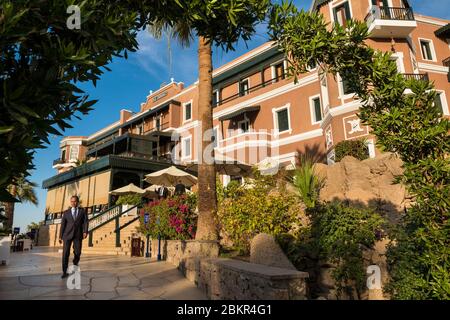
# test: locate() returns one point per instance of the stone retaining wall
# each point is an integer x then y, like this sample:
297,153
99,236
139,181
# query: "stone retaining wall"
232,279
229,278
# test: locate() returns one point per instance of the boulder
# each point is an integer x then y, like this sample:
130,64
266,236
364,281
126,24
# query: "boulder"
266,251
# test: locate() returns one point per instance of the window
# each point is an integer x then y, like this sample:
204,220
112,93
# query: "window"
283,120
186,145
425,46
187,111
158,123
140,129
342,14
243,87
345,86
243,126
316,109
438,102
279,71
74,152
63,155
215,98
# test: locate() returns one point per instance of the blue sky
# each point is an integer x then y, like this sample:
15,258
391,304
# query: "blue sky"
130,82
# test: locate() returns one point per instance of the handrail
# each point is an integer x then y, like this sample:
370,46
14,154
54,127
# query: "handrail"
114,213
104,217
416,76
391,13
126,224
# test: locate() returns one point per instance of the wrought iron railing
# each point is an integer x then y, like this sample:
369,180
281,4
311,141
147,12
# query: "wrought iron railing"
249,90
417,76
390,13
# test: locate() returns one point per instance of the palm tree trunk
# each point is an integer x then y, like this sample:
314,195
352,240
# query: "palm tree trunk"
9,208
207,199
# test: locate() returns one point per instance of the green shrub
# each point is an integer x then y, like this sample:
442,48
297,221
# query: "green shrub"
354,148
307,182
172,218
337,234
130,199
263,207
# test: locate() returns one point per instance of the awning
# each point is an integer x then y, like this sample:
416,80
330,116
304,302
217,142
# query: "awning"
443,32
239,112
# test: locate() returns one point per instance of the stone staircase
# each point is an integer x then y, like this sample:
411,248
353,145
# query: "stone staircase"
104,238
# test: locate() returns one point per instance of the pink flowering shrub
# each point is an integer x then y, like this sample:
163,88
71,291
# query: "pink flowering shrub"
173,218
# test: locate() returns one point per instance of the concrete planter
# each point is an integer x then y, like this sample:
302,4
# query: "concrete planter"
5,249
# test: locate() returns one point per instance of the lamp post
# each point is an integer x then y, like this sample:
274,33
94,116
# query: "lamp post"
146,218
159,240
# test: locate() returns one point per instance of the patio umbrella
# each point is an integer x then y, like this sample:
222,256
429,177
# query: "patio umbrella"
131,188
170,177
227,166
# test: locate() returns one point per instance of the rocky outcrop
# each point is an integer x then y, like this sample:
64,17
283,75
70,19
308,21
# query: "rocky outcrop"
266,251
367,183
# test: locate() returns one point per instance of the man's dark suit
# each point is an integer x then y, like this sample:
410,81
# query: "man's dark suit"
72,231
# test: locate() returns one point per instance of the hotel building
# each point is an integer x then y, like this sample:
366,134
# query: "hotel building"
258,112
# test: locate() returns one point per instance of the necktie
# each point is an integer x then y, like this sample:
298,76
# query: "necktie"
74,214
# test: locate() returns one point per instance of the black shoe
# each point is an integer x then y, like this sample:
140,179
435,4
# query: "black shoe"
65,275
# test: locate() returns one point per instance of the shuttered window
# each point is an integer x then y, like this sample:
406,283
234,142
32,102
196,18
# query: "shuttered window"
283,120
317,109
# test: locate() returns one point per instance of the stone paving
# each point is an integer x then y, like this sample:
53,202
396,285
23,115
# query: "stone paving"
36,275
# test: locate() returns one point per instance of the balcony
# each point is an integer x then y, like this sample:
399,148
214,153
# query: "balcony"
388,22
417,76
249,90
58,161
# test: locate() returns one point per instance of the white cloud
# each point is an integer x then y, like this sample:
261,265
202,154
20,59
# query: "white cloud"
152,57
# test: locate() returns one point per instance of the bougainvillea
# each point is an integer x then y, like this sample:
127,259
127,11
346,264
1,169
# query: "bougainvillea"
172,218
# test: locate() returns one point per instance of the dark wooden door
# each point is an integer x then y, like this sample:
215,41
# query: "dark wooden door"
136,247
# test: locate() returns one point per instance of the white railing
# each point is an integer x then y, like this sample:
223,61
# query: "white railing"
105,217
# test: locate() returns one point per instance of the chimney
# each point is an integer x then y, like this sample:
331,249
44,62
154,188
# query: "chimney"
125,115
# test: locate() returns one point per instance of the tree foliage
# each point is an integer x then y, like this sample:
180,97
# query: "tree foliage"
355,148
42,61
407,123
262,205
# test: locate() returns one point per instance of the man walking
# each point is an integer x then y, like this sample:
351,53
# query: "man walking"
74,228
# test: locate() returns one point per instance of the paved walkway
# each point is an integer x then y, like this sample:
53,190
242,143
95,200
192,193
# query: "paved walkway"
37,275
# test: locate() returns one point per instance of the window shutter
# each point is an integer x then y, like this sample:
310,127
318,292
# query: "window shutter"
283,121
438,102
317,110
188,111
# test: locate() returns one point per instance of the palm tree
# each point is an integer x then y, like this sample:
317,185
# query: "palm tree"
207,199
225,23
23,191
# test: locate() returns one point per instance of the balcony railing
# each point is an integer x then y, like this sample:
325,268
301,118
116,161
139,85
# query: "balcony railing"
417,76
249,90
391,13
